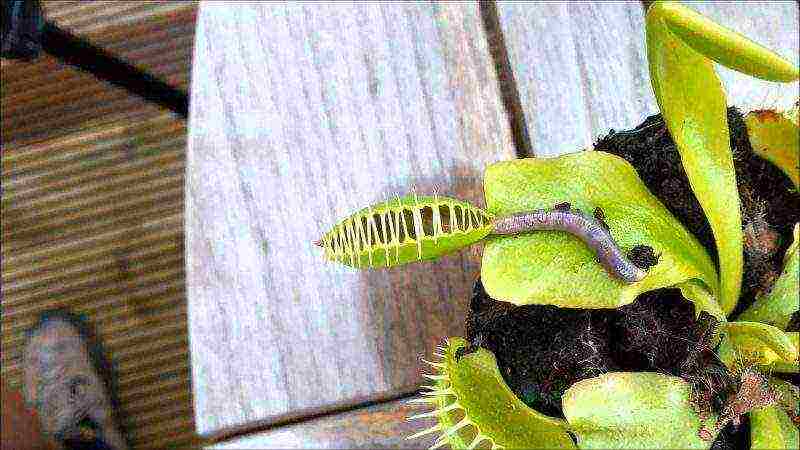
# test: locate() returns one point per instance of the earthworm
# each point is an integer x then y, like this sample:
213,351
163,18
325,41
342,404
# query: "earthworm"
588,229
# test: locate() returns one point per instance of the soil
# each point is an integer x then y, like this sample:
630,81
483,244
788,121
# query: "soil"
769,206
542,350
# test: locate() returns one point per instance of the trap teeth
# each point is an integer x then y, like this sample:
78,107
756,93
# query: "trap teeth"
475,442
433,364
426,431
435,377
440,442
433,413
421,401
461,424
438,392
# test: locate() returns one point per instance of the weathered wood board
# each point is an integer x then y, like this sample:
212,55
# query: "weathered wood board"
300,114
581,67
154,36
772,24
379,426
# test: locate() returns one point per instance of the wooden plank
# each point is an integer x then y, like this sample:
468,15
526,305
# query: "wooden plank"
93,223
580,69
47,100
86,17
379,426
774,25
300,114
155,36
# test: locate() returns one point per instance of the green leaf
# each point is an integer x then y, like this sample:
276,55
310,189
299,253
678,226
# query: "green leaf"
722,45
551,267
634,410
776,138
771,428
789,365
788,395
692,102
696,293
746,343
405,230
474,404
776,307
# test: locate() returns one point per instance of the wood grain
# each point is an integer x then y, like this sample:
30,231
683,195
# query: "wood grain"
48,101
379,426
300,114
774,25
155,36
580,69
93,223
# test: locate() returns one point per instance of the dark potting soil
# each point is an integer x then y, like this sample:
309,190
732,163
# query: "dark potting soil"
542,350
769,206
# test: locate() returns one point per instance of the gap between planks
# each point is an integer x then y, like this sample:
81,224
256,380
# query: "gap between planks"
509,91
254,429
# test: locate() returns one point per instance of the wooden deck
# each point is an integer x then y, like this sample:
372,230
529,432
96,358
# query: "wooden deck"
92,208
302,113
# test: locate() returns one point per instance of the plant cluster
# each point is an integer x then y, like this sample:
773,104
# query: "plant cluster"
583,231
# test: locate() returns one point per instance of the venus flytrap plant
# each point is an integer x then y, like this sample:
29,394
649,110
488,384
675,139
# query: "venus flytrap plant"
777,306
757,339
556,269
539,251
681,45
475,406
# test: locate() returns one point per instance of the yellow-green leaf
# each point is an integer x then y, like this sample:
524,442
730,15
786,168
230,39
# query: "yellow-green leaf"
745,343
551,267
776,307
788,395
408,229
789,365
634,410
695,292
771,428
692,103
776,137
473,405
722,45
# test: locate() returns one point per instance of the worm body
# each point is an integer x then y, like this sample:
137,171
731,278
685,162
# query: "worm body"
588,229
